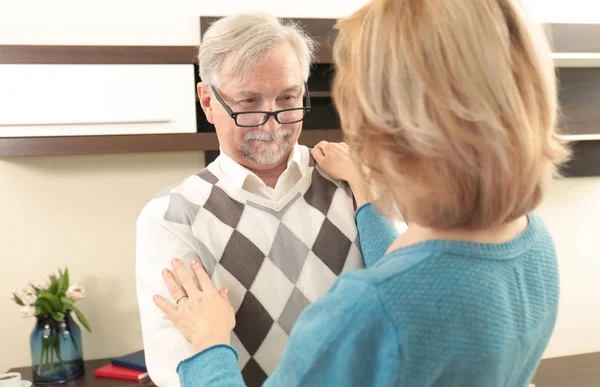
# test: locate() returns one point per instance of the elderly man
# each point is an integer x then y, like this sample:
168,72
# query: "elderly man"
265,222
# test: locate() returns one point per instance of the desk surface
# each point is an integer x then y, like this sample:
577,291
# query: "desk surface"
88,379
578,370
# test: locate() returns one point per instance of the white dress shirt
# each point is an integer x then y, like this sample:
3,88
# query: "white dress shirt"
249,181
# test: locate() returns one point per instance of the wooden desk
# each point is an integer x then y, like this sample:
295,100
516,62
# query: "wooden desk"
578,370
88,379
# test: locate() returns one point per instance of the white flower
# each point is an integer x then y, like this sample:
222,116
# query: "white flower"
55,273
29,299
44,284
75,292
24,291
27,311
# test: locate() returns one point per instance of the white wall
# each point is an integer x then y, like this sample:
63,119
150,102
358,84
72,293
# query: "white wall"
572,213
79,211
50,218
139,22
153,22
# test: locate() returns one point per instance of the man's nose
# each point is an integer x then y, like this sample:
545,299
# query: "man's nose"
271,125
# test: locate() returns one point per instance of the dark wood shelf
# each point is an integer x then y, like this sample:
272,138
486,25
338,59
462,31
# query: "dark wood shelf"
585,159
41,54
320,94
139,143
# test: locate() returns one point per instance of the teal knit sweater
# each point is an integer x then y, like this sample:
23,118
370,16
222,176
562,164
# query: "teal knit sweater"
437,313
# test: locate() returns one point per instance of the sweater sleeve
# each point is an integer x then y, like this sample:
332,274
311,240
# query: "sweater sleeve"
345,338
215,366
375,232
157,242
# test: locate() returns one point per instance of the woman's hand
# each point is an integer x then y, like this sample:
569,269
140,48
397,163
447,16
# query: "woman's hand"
334,159
203,315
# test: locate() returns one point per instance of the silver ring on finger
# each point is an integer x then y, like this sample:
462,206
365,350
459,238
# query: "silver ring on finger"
181,298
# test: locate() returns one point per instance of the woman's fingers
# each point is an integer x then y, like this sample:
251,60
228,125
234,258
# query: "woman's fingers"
203,279
186,279
165,306
224,293
174,288
318,151
321,145
318,155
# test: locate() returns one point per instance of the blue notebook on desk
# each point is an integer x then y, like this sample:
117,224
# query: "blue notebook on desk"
135,361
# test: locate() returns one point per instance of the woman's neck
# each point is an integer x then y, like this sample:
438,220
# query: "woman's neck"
497,234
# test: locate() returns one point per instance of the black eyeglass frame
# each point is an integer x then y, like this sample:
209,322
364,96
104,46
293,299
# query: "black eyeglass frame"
234,115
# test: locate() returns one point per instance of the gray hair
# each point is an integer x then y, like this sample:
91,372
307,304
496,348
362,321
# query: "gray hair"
249,37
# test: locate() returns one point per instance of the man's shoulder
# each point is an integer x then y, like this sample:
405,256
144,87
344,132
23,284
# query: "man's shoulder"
179,197
323,182
192,187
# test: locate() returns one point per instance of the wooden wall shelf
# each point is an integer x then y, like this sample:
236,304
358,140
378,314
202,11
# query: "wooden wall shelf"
576,59
32,54
88,145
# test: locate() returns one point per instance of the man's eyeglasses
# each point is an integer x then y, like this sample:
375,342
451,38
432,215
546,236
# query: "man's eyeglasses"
257,118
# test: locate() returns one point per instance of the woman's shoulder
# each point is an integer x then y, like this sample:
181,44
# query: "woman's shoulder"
389,268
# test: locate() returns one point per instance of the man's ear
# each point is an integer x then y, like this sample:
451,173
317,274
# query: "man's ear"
204,98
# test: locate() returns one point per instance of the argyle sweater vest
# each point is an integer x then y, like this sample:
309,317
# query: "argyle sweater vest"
275,257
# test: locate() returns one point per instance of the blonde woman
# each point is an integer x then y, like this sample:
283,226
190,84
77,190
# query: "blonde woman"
449,111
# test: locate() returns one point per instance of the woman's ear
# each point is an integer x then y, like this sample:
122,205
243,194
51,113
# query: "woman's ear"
204,98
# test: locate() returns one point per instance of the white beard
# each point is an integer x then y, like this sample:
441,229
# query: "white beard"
266,153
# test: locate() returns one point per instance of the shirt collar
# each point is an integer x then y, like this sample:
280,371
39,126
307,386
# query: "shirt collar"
238,174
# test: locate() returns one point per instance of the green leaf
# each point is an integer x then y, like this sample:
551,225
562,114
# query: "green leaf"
67,304
57,349
53,286
58,316
37,290
51,361
43,306
74,343
53,300
18,300
82,319
42,353
66,300
64,282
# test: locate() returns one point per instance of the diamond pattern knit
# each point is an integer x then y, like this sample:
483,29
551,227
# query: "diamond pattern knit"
275,258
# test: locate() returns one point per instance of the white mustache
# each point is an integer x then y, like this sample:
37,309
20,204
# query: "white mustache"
266,136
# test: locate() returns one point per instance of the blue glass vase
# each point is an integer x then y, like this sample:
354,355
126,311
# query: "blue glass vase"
56,351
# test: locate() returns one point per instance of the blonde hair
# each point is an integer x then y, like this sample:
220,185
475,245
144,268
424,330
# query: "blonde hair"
452,106
248,37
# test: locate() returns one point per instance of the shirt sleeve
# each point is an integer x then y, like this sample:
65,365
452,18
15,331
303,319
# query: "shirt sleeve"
157,242
344,339
375,233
